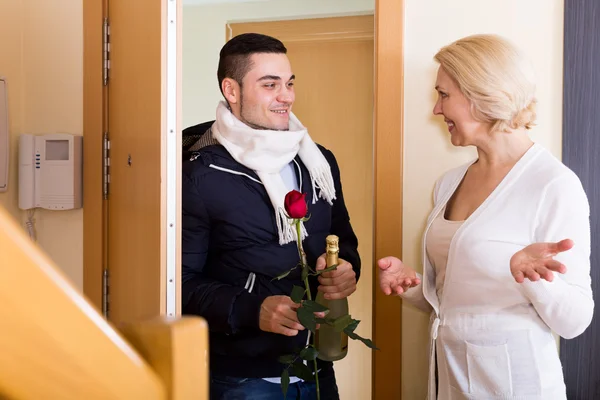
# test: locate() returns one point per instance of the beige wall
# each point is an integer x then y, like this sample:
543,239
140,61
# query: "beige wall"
204,35
11,51
536,25
42,58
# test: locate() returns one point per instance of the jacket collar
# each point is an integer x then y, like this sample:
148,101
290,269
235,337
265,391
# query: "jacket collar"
217,156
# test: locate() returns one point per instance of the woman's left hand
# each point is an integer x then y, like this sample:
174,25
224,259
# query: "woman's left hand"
536,261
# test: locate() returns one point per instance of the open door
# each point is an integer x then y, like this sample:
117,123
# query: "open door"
131,235
344,48
131,191
371,161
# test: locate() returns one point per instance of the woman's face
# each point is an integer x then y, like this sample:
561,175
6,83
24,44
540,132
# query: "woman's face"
452,104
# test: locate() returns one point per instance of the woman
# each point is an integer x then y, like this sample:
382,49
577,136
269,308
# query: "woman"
507,246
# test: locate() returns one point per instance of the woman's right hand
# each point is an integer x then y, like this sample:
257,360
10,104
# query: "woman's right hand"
395,277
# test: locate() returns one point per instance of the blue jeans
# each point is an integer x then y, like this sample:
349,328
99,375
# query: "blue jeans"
230,388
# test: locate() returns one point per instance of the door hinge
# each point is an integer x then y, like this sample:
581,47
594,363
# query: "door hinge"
105,166
105,293
105,51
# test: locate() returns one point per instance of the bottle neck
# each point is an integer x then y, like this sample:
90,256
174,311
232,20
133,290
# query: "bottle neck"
331,259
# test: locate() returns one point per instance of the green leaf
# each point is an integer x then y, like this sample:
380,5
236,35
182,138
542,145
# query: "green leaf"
367,342
314,306
322,321
285,382
302,371
309,353
280,277
352,326
297,294
287,359
333,267
307,319
339,324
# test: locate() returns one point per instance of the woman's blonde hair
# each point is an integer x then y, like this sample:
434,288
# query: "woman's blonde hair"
495,77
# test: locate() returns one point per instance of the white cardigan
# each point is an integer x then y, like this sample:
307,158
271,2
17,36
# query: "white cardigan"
492,335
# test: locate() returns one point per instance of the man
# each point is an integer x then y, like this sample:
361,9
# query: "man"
236,238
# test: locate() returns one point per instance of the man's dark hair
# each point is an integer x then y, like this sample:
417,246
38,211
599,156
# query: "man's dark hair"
234,61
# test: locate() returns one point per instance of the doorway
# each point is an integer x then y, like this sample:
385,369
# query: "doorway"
332,59
145,277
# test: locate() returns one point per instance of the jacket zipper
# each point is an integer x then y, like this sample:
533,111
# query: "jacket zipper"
231,171
299,173
252,276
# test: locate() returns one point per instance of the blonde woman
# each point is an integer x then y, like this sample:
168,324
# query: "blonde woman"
506,249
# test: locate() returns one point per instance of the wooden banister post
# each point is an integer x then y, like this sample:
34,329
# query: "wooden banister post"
177,350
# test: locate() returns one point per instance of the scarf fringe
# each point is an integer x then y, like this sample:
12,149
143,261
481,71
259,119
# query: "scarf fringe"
287,231
267,152
322,184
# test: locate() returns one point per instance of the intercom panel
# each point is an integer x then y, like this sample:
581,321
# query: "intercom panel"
50,171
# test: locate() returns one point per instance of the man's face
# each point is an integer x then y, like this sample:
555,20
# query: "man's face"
267,93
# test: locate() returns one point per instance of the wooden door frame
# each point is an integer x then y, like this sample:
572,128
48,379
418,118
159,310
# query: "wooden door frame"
388,169
94,125
388,134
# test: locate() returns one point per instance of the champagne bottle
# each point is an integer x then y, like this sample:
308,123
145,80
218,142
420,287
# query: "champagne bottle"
331,345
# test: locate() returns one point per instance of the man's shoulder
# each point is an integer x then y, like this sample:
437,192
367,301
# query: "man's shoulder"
192,135
198,163
328,154
324,149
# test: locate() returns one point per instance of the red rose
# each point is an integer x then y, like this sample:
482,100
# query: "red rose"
295,204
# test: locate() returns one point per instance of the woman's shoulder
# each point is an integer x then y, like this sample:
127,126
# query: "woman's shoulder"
548,169
450,178
558,182
455,173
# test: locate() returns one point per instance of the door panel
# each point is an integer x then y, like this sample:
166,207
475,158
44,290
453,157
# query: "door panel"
340,117
92,152
334,100
135,126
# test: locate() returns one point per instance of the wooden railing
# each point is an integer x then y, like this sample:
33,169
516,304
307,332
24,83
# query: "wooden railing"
55,345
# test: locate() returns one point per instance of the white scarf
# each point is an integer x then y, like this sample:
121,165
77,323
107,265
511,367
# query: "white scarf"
267,152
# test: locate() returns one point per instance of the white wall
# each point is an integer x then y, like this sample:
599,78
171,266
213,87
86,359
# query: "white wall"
204,34
42,59
537,26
